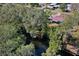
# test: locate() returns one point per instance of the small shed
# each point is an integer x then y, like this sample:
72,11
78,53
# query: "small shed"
56,18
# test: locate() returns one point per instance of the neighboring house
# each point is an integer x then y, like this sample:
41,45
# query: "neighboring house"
75,6
57,18
50,5
72,6
53,5
68,7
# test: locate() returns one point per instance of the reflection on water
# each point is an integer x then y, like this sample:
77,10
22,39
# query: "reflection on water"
39,51
39,48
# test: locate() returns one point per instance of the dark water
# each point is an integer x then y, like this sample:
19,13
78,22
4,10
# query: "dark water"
42,48
39,49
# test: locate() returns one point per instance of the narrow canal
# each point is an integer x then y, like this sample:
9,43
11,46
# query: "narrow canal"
40,48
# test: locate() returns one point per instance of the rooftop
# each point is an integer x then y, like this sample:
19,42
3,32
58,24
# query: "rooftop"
57,17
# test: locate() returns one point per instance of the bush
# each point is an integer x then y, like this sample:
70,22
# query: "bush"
13,18
27,50
71,20
55,42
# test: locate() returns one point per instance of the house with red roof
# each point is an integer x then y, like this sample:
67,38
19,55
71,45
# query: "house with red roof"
57,18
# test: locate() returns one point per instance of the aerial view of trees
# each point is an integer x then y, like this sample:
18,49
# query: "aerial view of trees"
24,30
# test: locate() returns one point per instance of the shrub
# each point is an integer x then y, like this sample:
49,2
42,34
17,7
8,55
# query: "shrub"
27,50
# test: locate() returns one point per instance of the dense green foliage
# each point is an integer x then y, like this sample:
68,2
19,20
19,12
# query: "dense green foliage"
71,20
16,21
19,25
55,41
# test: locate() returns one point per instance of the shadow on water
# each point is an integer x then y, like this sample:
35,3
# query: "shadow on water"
41,44
39,50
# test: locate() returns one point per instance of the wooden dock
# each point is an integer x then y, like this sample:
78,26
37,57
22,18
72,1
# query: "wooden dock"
72,50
